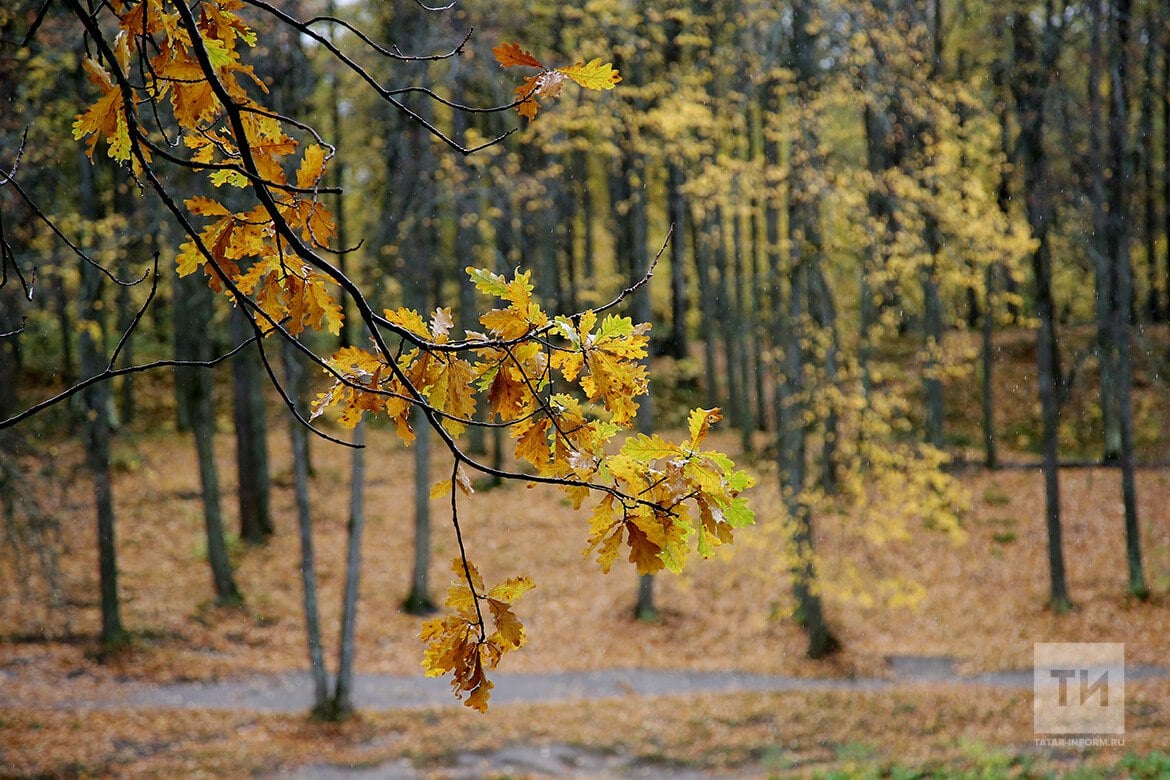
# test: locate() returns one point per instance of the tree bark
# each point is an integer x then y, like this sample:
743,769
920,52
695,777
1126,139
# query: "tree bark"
251,439
418,601
294,378
805,239
1165,95
341,703
987,362
1146,138
96,432
1104,270
1033,68
193,318
677,343
1122,272
702,251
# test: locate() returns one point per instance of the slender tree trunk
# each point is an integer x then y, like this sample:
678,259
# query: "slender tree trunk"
644,608
805,239
878,207
9,349
418,601
1119,237
676,210
203,427
756,317
1146,138
341,703
933,327
741,375
702,251
125,315
96,432
1029,83
1165,96
821,299
294,373
1105,279
987,361
725,315
251,439
193,302
581,163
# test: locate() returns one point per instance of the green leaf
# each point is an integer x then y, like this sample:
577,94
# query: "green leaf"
738,514
487,282
643,449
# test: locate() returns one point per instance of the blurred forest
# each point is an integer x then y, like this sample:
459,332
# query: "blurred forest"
869,204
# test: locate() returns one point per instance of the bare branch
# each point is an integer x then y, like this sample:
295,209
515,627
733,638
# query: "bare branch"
111,373
43,217
633,288
138,315
426,7
16,332
463,550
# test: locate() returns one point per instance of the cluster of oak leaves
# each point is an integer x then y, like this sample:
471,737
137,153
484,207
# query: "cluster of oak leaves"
657,498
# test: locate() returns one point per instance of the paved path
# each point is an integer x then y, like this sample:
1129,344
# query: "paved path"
293,692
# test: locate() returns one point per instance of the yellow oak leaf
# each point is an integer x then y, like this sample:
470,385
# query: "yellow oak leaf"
312,166
644,553
594,74
699,423
408,319
206,207
457,644
447,386
106,118
533,446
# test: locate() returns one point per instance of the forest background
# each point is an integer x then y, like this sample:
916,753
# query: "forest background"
909,240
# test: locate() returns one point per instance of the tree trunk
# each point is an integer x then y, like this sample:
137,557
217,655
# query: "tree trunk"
987,361
1146,137
1165,95
251,439
725,315
1029,84
805,239
1104,270
96,426
702,251
755,337
821,300
1118,245
581,163
676,345
125,316
933,327
294,378
741,375
418,601
193,304
341,703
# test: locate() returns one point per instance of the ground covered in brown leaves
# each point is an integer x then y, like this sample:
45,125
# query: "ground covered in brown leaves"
983,604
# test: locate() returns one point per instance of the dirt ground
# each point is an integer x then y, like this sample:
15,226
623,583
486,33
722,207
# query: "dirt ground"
981,603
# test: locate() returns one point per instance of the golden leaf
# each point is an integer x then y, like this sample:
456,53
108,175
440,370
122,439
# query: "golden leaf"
593,75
